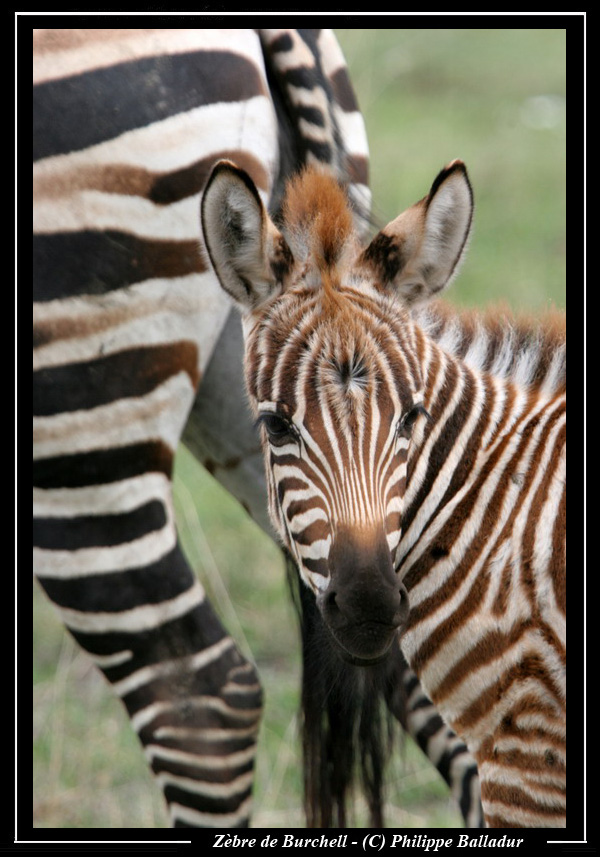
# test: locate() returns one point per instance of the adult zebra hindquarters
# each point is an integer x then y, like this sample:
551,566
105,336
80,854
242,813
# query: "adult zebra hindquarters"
126,316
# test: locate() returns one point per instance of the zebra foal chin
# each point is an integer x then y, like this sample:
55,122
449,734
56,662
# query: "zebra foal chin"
135,347
415,461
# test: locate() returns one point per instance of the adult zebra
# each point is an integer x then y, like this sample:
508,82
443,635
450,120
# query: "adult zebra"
416,462
127,321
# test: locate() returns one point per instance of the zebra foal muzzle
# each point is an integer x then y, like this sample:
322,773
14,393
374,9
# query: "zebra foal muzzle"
365,605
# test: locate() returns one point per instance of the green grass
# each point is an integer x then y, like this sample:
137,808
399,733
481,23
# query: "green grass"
495,98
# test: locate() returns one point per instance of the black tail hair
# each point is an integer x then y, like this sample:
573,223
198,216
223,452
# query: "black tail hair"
347,728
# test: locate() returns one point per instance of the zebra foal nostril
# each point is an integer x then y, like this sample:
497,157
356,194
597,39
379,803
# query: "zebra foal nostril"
330,603
404,604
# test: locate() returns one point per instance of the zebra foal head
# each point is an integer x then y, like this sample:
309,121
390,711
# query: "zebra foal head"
334,374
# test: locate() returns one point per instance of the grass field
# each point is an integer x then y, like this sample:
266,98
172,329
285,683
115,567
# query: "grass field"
496,99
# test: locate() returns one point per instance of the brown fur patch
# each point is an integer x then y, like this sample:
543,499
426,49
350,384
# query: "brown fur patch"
317,207
162,188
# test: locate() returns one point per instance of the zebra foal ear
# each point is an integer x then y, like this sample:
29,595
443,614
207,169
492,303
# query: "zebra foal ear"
419,252
249,254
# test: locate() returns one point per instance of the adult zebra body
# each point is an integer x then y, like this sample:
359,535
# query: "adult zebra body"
416,463
132,343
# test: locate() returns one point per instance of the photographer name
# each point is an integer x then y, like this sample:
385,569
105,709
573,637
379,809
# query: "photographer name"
374,841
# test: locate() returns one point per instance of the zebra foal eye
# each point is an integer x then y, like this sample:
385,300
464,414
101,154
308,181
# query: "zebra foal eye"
407,422
279,430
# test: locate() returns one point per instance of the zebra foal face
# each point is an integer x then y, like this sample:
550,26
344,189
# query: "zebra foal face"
334,375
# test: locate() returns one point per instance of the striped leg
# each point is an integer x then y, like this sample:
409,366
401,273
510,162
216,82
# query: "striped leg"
444,749
106,553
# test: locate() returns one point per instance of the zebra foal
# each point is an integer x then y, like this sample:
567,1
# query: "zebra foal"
415,460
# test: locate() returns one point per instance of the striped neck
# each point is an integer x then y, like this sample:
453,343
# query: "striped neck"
480,402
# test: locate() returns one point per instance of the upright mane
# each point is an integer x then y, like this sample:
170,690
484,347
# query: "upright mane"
319,223
530,350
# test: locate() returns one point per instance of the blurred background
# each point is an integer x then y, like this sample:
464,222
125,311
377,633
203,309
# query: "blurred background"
496,99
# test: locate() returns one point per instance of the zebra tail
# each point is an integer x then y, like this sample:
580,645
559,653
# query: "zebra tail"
347,729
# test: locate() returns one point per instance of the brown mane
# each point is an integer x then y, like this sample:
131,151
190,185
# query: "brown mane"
539,339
